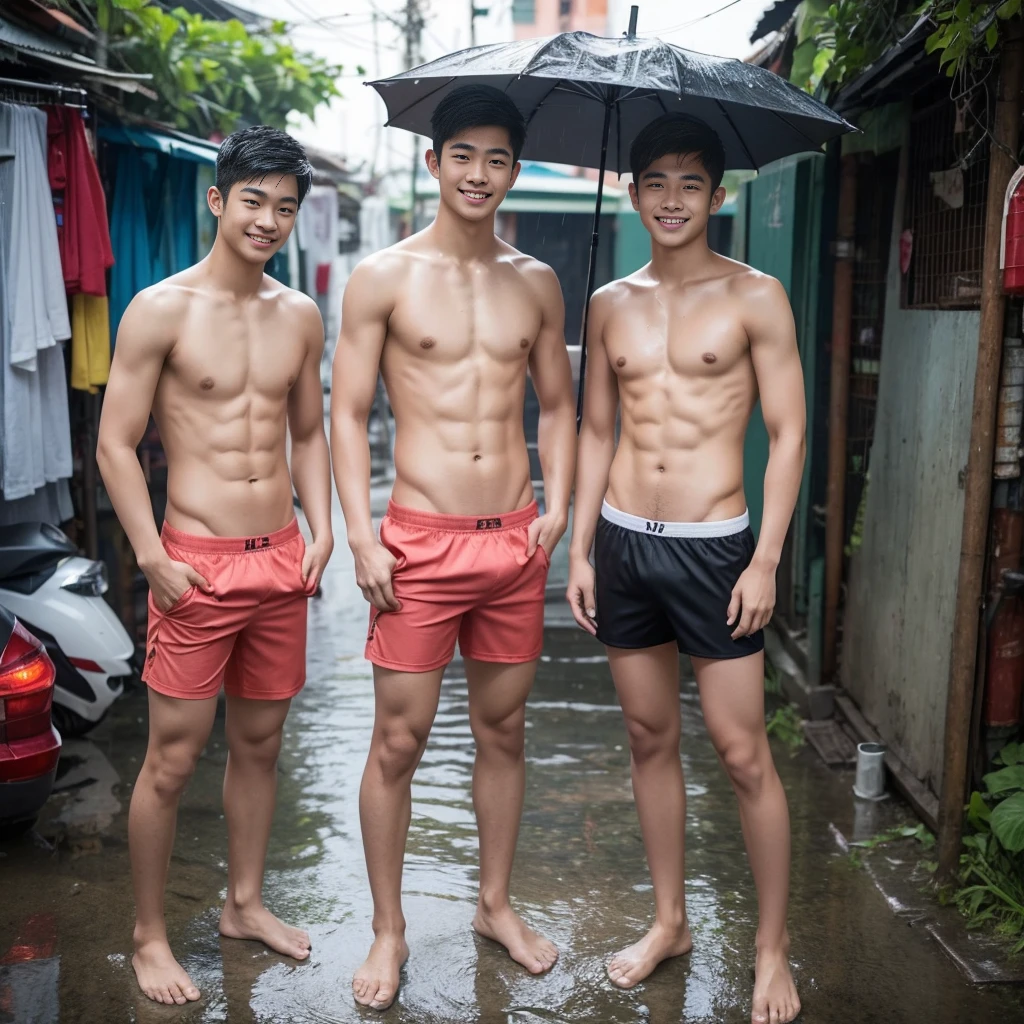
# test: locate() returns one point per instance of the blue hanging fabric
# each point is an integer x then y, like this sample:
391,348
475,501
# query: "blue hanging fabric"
129,235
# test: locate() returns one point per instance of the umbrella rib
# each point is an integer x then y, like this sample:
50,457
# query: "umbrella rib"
736,132
542,100
419,99
789,124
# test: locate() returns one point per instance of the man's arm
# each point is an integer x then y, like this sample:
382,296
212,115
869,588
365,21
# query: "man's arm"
366,307
310,458
556,427
593,462
780,381
143,343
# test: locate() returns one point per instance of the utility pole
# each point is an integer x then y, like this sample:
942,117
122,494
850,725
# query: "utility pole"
474,13
413,28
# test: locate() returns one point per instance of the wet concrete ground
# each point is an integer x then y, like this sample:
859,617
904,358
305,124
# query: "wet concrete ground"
580,875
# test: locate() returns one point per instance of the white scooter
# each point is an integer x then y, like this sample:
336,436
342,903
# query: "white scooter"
57,595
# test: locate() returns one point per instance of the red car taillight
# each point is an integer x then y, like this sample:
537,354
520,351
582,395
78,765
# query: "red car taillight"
26,687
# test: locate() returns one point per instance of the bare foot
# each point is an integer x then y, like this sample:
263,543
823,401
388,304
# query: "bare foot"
524,945
775,997
632,965
260,924
160,976
375,984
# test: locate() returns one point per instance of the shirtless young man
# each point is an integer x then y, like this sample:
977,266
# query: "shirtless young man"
686,345
453,317
228,361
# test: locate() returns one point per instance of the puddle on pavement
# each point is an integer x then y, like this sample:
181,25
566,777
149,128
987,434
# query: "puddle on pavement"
580,875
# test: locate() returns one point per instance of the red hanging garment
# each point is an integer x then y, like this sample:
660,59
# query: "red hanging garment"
81,207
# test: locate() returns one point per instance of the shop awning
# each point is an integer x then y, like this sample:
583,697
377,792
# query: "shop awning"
26,43
145,138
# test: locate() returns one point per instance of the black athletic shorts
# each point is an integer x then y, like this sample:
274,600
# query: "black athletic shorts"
658,582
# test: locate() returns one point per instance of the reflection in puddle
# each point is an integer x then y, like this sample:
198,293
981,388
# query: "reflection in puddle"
580,875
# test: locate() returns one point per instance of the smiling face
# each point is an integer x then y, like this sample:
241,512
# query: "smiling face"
475,171
258,216
675,199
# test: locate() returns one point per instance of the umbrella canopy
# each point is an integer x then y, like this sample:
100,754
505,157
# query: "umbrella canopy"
564,84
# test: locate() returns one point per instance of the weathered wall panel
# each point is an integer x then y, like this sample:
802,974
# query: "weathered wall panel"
902,588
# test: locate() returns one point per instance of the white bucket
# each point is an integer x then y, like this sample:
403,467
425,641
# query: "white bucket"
870,781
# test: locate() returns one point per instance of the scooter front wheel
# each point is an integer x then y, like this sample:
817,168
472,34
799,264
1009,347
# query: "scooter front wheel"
70,723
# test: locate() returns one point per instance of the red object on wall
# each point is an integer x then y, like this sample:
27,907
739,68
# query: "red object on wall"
323,278
1004,675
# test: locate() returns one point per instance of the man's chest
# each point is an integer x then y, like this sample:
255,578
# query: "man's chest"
444,316
682,338
236,357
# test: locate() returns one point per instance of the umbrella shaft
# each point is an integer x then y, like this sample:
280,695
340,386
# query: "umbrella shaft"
592,269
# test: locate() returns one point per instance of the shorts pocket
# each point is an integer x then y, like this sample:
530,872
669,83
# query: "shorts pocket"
545,557
186,599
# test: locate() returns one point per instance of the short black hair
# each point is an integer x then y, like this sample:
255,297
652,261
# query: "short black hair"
678,133
477,106
258,152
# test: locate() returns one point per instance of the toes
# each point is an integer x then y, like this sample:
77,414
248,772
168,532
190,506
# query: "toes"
164,995
176,993
191,992
383,999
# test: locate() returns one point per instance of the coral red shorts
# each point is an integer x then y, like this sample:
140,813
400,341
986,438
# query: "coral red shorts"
249,633
464,578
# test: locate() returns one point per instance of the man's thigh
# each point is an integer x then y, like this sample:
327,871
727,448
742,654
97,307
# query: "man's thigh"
178,728
498,692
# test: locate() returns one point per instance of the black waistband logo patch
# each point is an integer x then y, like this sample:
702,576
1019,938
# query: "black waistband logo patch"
255,543
488,524
653,527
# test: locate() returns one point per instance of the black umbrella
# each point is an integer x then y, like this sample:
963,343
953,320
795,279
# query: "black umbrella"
586,97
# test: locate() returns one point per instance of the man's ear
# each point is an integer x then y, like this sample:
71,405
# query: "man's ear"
633,197
515,174
433,162
718,199
215,201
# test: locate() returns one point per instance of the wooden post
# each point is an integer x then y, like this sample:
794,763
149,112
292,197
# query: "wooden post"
978,475
842,313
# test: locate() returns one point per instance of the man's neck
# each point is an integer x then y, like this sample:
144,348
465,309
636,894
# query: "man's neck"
230,274
461,239
680,263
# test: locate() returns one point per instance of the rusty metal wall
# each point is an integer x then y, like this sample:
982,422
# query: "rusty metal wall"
902,582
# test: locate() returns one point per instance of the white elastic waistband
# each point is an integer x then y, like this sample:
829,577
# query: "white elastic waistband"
721,528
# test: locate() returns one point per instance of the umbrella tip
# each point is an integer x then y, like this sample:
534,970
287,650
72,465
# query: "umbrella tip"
633,12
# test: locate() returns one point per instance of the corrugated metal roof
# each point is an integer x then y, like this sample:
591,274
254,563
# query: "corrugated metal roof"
30,39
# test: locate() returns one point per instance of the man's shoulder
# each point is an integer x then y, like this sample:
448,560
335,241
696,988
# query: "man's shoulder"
535,271
745,282
385,266
169,298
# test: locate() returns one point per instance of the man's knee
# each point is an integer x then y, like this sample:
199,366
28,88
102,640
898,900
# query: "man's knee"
258,753
397,748
169,769
746,764
651,739
503,736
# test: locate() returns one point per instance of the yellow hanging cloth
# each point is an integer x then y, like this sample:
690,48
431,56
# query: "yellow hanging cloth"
90,342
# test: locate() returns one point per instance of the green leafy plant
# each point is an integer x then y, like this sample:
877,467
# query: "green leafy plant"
992,862
896,833
785,724
212,76
852,34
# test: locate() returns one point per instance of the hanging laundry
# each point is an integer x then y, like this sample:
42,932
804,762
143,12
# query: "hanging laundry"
36,442
90,342
129,231
83,235
39,310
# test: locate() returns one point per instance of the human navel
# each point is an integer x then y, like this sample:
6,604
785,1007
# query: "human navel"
477,458
661,469
206,383
709,357
254,480
427,343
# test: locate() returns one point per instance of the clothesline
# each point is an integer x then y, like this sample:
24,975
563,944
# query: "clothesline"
14,90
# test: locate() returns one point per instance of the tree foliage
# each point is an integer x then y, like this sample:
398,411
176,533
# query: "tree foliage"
212,76
852,34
